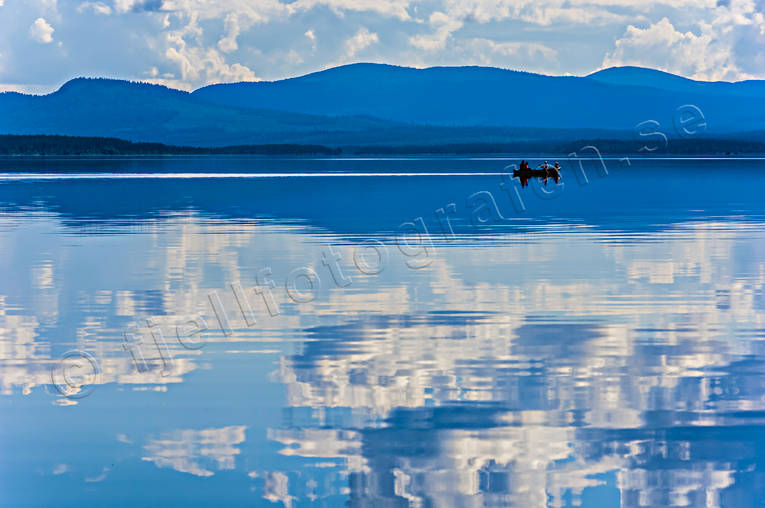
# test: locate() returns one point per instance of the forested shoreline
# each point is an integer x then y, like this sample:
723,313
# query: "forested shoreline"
52,145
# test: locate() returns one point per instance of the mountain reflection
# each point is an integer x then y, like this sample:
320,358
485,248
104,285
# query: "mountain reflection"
547,363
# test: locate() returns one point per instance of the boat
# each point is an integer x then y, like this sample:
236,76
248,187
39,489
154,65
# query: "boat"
538,173
527,174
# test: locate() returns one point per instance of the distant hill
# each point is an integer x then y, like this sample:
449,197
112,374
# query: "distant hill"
612,99
12,144
639,76
145,112
152,113
383,105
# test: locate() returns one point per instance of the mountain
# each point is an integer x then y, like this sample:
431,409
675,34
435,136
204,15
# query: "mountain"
612,99
640,76
374,104
146,112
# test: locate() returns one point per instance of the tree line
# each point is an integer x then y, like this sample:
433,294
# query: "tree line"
83,146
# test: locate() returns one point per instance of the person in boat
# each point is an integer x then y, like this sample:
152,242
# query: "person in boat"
523,173
556,172
546,169
523,168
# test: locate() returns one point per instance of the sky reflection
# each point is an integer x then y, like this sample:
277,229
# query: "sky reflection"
552,362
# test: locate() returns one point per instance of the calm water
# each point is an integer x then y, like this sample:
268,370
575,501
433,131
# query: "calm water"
283,340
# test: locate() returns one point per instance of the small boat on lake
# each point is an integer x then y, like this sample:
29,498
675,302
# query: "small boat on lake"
525,173
537,173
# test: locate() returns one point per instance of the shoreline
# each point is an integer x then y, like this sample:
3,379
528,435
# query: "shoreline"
50,146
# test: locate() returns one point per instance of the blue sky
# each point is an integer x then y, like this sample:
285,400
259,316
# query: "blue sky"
189,43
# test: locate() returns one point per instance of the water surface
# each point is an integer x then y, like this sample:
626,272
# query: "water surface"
597,344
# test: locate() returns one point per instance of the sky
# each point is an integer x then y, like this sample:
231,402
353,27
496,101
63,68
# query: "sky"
191,43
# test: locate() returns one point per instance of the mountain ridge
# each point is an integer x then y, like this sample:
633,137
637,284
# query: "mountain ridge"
616,98
605,70
654,78
368,103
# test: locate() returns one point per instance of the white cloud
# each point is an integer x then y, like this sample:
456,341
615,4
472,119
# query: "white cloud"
312,37
49,7
96,7
199,65
547,16
362,40
193,42
228,43
388,8
29,89
125,5
261,11
456,14
541,12
444,26
706,55
41,31
293,57
512,49
185,30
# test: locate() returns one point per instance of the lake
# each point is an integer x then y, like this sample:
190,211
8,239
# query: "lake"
400,332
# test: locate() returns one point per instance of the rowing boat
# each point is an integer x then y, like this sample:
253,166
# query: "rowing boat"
539,173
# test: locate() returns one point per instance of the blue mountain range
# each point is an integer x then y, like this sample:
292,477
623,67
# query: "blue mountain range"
385,104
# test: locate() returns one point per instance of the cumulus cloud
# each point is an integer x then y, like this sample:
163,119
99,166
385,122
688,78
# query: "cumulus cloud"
293,57
443,26
248,11
41,31
662,46
125,5
311,37
721,48
200,65
362,40
541,12
389,8
487,47
457,13
194,42
96,7
228,43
